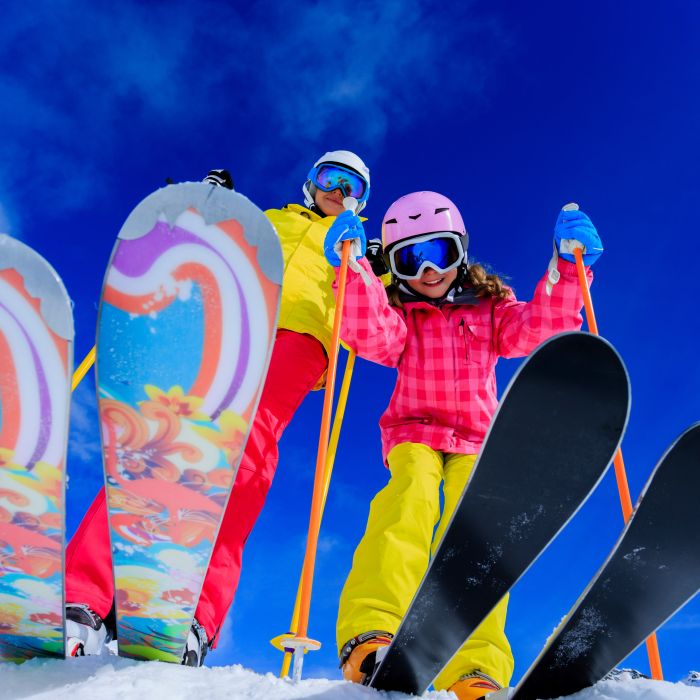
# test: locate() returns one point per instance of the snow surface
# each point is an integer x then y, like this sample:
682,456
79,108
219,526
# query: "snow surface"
113,678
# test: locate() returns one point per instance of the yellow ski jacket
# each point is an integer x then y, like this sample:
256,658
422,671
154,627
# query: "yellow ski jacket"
308,303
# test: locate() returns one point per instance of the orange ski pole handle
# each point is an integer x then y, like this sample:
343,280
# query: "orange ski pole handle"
83,368
620,473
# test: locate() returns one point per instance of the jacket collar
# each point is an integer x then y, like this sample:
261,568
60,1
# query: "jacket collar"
303,211
312,215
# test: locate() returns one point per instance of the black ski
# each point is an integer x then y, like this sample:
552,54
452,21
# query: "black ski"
555,432
653,570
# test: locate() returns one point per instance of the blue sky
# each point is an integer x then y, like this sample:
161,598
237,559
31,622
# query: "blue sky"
511,109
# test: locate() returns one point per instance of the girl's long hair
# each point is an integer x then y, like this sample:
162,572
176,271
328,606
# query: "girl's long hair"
484,283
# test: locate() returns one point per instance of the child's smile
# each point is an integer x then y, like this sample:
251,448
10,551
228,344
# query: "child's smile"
433,284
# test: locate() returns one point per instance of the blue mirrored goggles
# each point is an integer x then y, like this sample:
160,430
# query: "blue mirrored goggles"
329,177
442,251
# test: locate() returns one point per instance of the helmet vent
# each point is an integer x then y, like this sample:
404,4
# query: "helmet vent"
391,221
414,217
439,210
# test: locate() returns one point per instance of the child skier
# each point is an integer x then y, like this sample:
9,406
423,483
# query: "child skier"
442,323
298,365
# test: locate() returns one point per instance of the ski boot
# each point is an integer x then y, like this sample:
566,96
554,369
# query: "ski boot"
196,647
473,686
87,633
358,658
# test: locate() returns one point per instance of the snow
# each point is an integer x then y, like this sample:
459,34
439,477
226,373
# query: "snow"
113,678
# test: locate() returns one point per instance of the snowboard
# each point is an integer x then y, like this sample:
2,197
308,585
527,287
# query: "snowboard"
36,363
652,571
556,430
186,326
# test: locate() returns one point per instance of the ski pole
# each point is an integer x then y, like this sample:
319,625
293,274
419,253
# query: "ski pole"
332,449
300,643
83,367
620,473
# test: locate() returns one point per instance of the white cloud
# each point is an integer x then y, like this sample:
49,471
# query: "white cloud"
80,79
5,224
684,622
328,543
84,443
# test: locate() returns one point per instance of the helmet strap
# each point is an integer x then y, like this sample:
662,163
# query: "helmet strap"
317,210
462,273
309,190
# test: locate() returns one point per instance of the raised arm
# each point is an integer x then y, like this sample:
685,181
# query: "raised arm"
370,326
556,304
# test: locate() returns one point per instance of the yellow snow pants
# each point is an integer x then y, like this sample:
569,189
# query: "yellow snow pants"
394,553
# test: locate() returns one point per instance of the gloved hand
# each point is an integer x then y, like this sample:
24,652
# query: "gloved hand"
220,177
346,227
375,257
574,226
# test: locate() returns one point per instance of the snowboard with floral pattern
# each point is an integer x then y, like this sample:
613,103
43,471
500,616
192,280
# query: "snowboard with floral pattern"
187,322
36,361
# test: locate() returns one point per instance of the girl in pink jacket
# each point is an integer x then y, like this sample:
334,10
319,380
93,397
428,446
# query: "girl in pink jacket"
443,323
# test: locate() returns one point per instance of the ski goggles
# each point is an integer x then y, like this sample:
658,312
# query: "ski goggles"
443,251
329,177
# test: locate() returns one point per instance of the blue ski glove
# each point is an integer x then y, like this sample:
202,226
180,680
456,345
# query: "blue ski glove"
346,227
575,226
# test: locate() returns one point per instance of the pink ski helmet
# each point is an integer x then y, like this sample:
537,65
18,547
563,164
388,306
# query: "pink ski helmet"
419,213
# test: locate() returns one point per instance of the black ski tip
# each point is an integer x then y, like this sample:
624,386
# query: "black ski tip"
583,352
651,572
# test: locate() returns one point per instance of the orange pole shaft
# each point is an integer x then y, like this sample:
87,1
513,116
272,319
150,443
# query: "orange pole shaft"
654,657
587,299
620,474
330,459
319,477
622,486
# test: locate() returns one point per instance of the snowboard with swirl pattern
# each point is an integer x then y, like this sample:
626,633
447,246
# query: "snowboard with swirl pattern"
186,327
36,362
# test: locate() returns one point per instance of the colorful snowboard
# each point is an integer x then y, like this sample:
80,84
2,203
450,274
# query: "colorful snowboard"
36,362
187,323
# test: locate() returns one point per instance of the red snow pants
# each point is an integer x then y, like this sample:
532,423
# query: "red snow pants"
298,362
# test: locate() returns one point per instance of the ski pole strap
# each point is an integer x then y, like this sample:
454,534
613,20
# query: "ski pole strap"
350,645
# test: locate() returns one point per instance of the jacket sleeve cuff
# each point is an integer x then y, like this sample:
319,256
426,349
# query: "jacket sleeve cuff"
363,263
568,269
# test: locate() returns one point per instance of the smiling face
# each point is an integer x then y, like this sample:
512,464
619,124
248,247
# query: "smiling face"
432,283
330,203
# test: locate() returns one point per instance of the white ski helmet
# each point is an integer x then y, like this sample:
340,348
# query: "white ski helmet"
346,159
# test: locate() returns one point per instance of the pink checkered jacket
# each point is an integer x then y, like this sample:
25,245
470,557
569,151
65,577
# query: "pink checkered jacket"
446,356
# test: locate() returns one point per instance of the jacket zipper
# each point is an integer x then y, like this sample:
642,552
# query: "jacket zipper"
464,339
456,370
